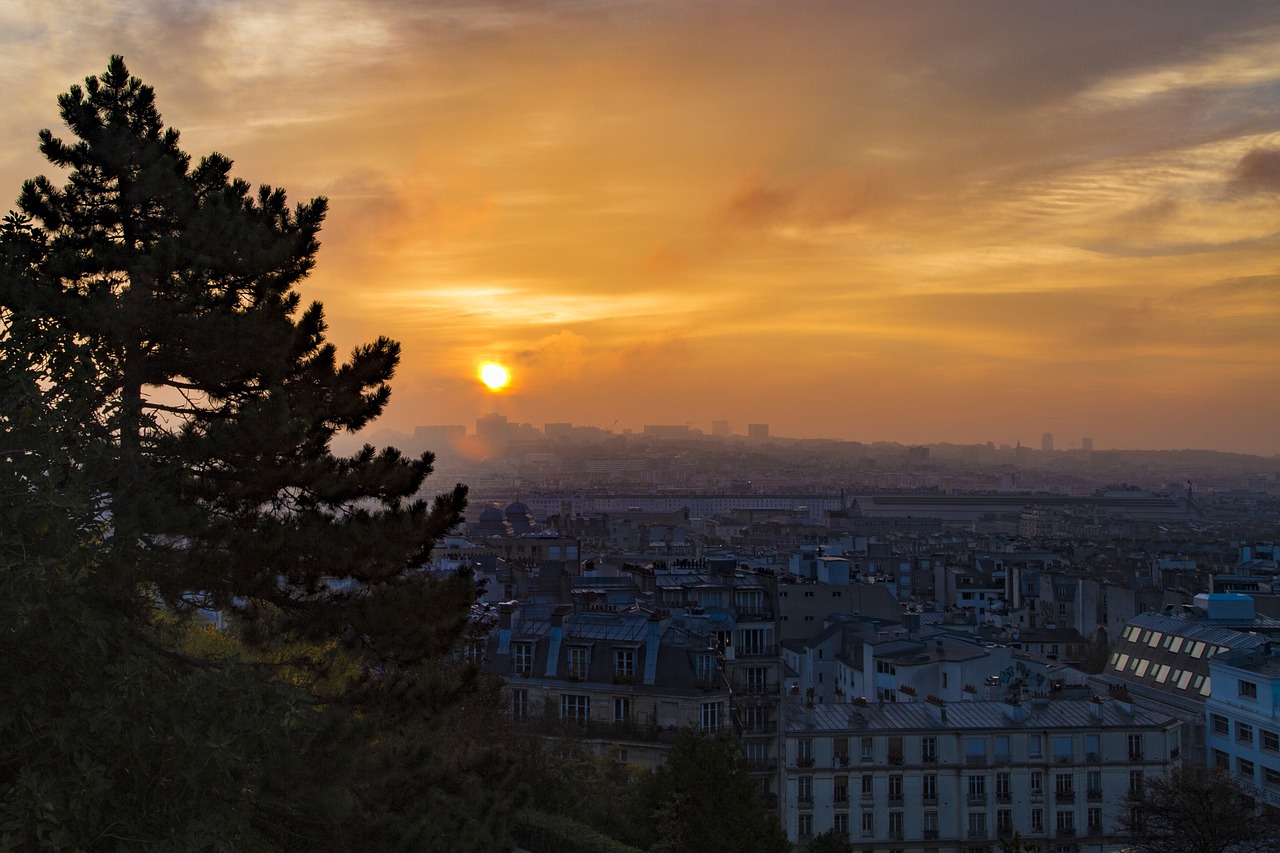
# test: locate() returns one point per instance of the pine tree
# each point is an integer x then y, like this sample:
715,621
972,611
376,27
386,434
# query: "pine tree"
155,304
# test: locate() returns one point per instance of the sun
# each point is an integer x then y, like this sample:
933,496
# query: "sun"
494,375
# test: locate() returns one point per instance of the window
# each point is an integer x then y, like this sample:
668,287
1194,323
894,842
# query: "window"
578,662
895,824
804,826
1095,819
804,790
1062,785
868,823
1135,747
1135,781
704,666
977,789
929,823
867,786
575,708
1244,769
1037,820
841,825
757,679
1036,782
867,744
1220,725
886,667
895,789
522,658
977,824
1093,784
840,790
1002,786
1035,746
929,786
757,754
1270,778
1092,748
1062,752
1221,760
1066,821
710,717
1248,689
624,665
804,752
929,750
1004,821
1270,741
1002,748
895,749
520,704
1244,733
754,718
621,709
975,750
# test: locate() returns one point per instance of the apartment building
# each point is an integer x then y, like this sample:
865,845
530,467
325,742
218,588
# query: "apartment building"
1243,720
932,776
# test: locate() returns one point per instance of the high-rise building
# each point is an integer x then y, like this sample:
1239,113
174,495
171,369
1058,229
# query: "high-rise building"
1046,442
757,430
1086,444
720,428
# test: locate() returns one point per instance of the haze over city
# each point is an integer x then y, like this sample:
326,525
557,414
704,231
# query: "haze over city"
925,223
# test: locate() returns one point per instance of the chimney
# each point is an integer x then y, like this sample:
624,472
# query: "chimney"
506,621
1095,707
557,637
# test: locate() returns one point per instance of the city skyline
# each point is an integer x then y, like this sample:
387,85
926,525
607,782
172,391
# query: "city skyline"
934,224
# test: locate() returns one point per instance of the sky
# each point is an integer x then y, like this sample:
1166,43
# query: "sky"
918,222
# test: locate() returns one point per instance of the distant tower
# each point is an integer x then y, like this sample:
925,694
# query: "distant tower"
1086,444
757,430
1046,442
720,428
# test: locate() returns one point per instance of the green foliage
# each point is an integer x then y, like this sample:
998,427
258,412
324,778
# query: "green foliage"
830,842
165,432
545,832
596,791
703,798
1196,810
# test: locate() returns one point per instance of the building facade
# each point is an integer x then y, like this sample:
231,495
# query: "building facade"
926,776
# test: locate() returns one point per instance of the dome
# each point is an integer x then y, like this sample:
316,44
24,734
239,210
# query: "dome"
492,514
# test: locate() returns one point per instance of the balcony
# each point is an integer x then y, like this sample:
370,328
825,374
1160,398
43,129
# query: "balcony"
929,758
1094,794
805,802
929,799
1065,795
764,650
977,799
621,677
975,760
755,728
1066,832
976,833
755,614
840,798
895,759
804,761
1093,757
895,799
1095,829
1064,758
763,765
1003,797
930,834
1136,755
895,835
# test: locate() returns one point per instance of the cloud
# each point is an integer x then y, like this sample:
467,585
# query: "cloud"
1258,171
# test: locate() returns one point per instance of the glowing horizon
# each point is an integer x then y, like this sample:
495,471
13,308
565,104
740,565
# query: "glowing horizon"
926,224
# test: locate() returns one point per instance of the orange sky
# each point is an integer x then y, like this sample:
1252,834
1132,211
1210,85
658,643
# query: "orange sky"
910,222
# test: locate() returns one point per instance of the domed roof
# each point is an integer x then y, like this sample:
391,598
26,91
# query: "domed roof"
492,514
517,508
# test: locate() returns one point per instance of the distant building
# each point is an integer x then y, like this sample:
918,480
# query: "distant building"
757,430
721,428
560,430
667,430
1086,444
1046,442
493,428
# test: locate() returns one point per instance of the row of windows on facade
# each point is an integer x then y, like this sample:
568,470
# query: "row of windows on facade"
976,786
1064,748
576,708
1064,822
1268,740
624,660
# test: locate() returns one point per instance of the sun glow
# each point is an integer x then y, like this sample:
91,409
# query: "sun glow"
494,375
